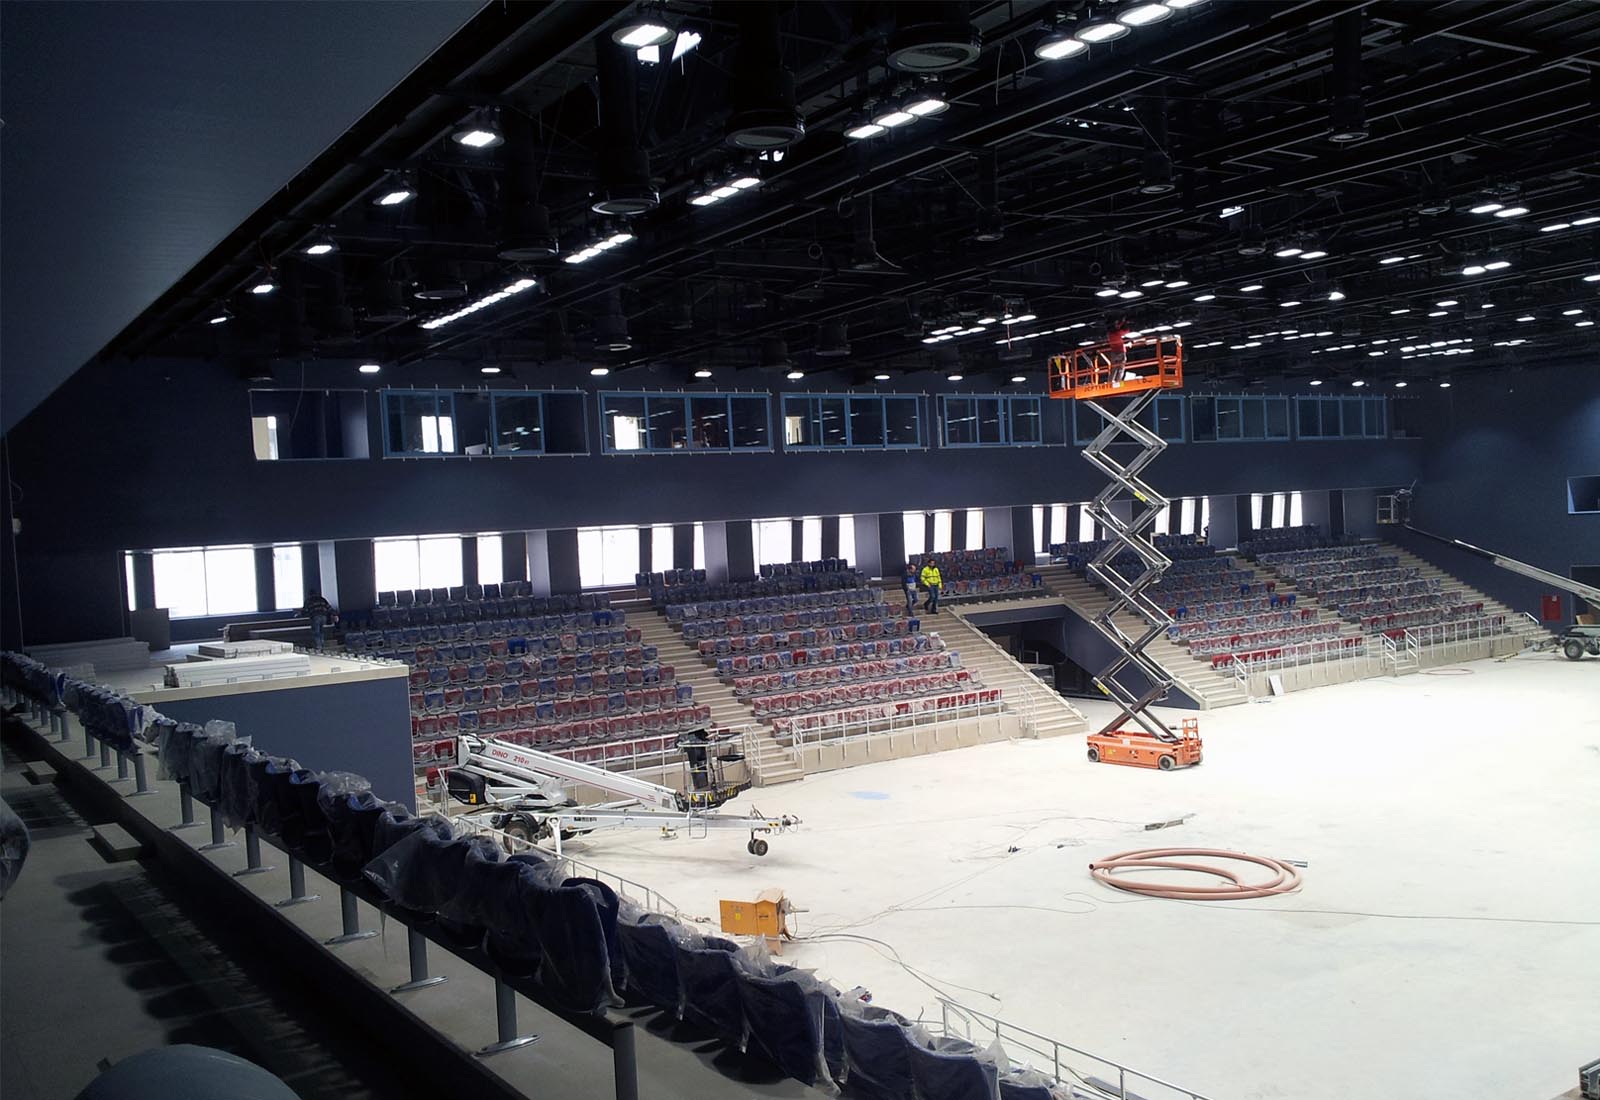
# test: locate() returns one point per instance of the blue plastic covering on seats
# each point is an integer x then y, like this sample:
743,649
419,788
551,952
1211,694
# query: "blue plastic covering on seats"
511,910
237,809
785,1013
266,775
1027,1084
460,909
710,989
420,870
577,928
648,947
205,770
877,1051
953,1069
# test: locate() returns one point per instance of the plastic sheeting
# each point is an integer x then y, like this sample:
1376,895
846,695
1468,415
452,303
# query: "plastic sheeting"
1030,1084
236,805
710,988
946,1068
877,1051
418,869
787,1015
460,908
509,909
205,760
577,924
649,947
174,748
14,845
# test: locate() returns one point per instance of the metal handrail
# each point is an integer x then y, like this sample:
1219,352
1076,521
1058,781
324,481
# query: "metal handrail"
862,729
651,899
1013,1036
1033,691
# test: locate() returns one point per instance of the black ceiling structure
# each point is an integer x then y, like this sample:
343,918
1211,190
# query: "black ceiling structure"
1302,188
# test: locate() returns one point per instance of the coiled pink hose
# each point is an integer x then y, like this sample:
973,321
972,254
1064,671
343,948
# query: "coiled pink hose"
1286,878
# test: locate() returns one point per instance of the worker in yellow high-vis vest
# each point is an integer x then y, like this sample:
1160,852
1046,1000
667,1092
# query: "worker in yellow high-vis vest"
932,580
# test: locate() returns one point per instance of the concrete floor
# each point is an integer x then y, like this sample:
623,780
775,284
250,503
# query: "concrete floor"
1446,942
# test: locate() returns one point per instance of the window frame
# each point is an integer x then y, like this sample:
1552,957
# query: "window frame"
850,399
1008,411
686,397
495,397
1251,408
1366,403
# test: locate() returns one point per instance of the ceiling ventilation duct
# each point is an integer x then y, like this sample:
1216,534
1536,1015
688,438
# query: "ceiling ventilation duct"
624,187
440,283
863,246
558,344
833,340
525,232
761,90
611,330
991,223
1349,112
336,319
775,353
937,37
1155,170
384,298
680,308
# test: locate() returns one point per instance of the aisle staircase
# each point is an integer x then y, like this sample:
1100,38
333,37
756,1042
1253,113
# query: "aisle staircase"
1527,631
1197,679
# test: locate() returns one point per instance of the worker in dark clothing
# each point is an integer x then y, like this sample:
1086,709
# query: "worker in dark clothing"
908,582
321,614
1116,334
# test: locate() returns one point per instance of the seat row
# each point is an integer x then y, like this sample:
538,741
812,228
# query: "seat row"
1189,629
761,623
954,565
721,609
1334,566
515,668
653,678
1425,616
533,633
1350,601
508,626
1284,540
769,586
991,586
594,723
766,707
1321,552
1299,654
1264,601
668,578
882,649
766,683
1260,639
926,706
710,648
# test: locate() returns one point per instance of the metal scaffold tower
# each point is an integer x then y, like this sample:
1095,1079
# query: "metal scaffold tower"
1130,562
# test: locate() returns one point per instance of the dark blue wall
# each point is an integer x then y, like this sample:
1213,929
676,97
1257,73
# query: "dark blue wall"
158,453
362,727
1499,451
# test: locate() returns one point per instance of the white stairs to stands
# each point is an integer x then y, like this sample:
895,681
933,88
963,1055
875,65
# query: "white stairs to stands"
1210,688
769,763
1020,690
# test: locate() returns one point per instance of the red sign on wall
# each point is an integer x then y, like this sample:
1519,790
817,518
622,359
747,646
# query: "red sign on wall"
1550,609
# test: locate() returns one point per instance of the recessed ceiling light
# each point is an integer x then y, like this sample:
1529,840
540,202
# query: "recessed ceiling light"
370,368
599,372
1511,212
1251,288
1487,207
1205,297
1019,378
489,368
702,373
1447,303
1316,381
880,378
1314,254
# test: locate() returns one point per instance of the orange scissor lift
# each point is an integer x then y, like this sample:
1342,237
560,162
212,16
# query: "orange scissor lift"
1092,375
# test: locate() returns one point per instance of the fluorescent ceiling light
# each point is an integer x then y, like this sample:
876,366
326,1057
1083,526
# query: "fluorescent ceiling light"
1056,46
1555,227
1589,220
489,369
1446,303
702,373
704,200
795,375
744,183
1142,15
1131,294
1230,211
1177,284
1153,282
1358,383
725,191
519,287
1289,303
1335,295
394,194
1571,312
1437,313
370,368
1205,297
926,104
1400,385
221,317
1106,292
1488,207
1497,265
863,130
1101,30
880,378
599,372
1392,260
1525,318
1024,319
1398,312
1511,212
266,286
1251,288
893,116
1314,254
954,377
1474,269
1291,250
642,34
1180,5
1444,385
1316,381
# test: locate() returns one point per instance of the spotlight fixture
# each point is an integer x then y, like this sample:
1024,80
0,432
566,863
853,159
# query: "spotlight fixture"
599,372
221,317
645,30
488,368
320,245
702,373
1142,14
932,38
369,368
1058,44
763,116
395,189
479,131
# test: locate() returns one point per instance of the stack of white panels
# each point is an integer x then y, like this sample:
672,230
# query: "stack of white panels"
235,670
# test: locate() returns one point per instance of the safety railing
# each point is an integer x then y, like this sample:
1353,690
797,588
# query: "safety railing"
1108,1078
936,724
650,899
1442,643
1035,696
755,739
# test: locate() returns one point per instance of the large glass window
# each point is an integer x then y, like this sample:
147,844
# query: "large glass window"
1085,524
847,539
916,533
821,421
288,580
699,546
1038,533
211,580
811,538
774,541
491,559
661,423
942,524
661,558
991,421
418,422
1227,419
1341,417
1186,516
518,424
1058,524
607,556
1296,509
432,561
974,529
